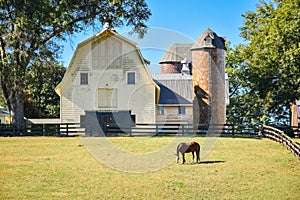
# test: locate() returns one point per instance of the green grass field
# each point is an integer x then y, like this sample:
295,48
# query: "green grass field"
62,168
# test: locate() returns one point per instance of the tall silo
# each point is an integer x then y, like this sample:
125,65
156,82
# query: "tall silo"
208,58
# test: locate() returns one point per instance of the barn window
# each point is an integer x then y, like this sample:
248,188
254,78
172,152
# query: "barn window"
181,110
161,110
130,77
208,41
84,79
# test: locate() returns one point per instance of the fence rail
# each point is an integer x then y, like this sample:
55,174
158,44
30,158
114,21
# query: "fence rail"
63,129
183,129
279,136
69,129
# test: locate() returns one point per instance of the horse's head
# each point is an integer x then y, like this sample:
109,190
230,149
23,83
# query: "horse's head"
176,158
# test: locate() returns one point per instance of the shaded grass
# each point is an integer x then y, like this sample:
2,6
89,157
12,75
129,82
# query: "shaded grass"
62,168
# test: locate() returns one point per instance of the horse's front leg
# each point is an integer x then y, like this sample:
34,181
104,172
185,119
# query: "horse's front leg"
183,159
193,157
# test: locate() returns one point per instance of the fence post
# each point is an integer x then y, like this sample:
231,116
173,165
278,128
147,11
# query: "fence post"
14,129
67,129
130,129
44,129
57,130
182,129
260,129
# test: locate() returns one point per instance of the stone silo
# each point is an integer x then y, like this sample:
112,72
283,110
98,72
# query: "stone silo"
208,58
171,61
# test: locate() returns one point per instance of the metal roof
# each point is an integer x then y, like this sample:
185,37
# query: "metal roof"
176,53
173,76
174,88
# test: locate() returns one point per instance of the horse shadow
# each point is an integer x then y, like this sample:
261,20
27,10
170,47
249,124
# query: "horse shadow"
212,162
206,162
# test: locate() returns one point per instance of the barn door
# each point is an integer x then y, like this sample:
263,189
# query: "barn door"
107,98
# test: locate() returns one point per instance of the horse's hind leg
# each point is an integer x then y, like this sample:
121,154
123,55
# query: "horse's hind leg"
198,156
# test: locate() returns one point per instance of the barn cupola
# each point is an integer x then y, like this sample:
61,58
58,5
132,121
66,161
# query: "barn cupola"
185,67
108,26
209,39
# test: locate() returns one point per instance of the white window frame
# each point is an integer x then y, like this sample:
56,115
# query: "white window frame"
161,110
181,110
81,82
127,77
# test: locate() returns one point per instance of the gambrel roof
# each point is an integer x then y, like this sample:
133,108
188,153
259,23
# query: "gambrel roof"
105,33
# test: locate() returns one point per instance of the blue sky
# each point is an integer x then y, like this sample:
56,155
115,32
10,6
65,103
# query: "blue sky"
178,21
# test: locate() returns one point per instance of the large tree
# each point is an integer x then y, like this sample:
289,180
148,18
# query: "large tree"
31,29
272,55
245,107
41,99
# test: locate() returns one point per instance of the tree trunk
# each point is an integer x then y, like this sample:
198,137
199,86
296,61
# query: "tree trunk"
15,98
17,108
290,115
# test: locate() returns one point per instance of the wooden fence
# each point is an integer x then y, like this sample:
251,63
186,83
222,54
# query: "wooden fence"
279,136
71,129
64,129
292,131
182,129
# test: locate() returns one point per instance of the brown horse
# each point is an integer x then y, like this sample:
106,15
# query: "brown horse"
188,147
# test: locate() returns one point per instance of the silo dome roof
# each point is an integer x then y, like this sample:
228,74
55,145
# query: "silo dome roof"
209,39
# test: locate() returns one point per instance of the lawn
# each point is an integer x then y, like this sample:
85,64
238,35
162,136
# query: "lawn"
63,168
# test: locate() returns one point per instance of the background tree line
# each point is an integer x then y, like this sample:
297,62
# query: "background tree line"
41,101
265,71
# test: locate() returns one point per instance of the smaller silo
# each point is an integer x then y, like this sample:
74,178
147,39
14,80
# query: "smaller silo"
171,61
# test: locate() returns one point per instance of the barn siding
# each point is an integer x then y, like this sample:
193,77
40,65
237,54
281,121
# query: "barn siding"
171,115
76,99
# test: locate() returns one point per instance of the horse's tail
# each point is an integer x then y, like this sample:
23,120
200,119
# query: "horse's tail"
177,153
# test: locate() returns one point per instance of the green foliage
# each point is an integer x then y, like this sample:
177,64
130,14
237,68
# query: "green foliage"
268,66
2,100
30,31
41,99
243,108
